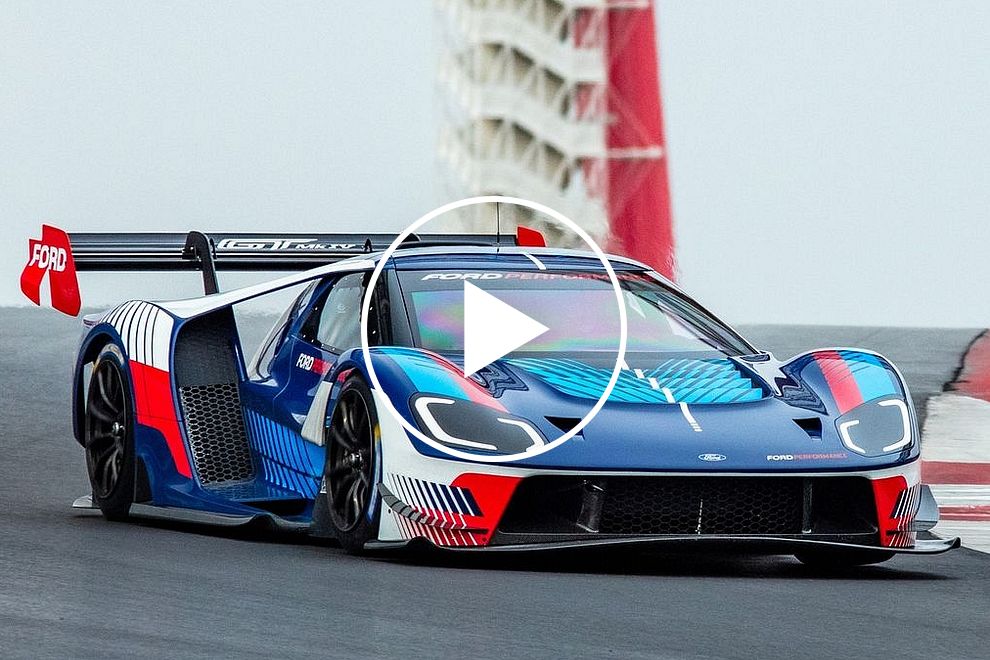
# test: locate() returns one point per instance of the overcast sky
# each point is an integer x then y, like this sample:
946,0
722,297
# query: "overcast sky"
829,161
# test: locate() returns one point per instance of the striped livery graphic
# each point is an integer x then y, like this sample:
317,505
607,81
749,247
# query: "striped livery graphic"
146,333
903,534
688,381
854,377
433,373
897,507
908,504
464,513
432,510
145,330
284,456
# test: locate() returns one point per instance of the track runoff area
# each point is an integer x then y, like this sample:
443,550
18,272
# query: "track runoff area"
956,456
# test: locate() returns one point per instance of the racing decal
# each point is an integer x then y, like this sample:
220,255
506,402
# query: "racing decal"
146,332
819,456
286,459
51,257
312,363
897,505
279,244
492,493
447,275
434,374
464,513
854,377
908,504
681,381
432,510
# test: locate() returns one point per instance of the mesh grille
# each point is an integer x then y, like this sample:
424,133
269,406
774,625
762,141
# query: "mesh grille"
216,432
688,505
702,506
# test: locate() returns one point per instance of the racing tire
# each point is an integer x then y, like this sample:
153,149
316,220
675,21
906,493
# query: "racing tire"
348,506
839,559
108,435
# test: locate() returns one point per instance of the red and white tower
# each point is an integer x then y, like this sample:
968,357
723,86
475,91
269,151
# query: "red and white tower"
559,101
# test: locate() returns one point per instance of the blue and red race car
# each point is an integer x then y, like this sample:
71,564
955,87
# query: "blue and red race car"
704,439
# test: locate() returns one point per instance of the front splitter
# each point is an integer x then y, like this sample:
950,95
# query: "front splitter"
770,544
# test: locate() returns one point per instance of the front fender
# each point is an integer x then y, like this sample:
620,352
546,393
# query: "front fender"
404,372
92,342
836,381
833,381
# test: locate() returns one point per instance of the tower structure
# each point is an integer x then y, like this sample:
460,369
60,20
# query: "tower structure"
558,101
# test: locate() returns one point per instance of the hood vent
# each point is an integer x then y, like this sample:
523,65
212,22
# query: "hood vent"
811,425
565,424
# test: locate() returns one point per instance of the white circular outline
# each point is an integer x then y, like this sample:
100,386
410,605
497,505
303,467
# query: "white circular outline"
540,208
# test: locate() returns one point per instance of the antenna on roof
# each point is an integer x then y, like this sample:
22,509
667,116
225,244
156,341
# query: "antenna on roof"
498,223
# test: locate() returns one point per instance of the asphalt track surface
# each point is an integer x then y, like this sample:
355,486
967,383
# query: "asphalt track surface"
77,586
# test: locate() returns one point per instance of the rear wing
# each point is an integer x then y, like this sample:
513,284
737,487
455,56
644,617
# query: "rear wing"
214,252
61,254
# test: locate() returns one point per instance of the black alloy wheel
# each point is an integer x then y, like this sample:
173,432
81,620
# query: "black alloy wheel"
108,438
350,467
349,474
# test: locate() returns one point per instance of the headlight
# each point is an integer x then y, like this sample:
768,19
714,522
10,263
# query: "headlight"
464,424
876,427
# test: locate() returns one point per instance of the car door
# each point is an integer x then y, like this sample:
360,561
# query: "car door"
331,326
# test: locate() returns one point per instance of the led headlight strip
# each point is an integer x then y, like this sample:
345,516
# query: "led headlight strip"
905,438
460,417
423,404
905,424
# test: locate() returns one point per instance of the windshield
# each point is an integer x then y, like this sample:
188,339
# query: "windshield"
578,308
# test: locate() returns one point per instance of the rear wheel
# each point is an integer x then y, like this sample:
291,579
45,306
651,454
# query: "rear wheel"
109,436
348,497
837,559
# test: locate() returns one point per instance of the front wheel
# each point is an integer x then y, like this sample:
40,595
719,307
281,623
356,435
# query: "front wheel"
347,502
109,436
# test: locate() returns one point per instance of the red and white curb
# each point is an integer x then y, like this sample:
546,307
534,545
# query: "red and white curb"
963,502
956,450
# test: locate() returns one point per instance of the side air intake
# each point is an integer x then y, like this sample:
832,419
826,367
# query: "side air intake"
206,377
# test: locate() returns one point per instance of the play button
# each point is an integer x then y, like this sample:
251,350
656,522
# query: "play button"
493,328
490,323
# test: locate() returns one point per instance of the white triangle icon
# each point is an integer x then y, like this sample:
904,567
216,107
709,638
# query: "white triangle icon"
493,328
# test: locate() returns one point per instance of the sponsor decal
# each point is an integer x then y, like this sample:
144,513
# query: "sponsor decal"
463,276
312,363
51,257
279,244
712,458
524,275
48,257
826,456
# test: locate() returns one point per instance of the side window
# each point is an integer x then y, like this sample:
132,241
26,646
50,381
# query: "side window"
335,322
262,362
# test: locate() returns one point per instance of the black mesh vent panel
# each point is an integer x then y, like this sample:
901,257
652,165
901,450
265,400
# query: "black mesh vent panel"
216,432
723,505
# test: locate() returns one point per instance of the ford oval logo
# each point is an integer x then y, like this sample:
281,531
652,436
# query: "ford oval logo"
711,458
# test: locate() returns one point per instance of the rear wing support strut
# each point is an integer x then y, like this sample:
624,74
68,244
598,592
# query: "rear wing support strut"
200,247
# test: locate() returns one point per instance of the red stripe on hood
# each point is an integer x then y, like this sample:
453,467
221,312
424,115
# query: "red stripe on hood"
841,381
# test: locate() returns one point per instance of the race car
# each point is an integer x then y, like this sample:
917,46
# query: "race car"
704,440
